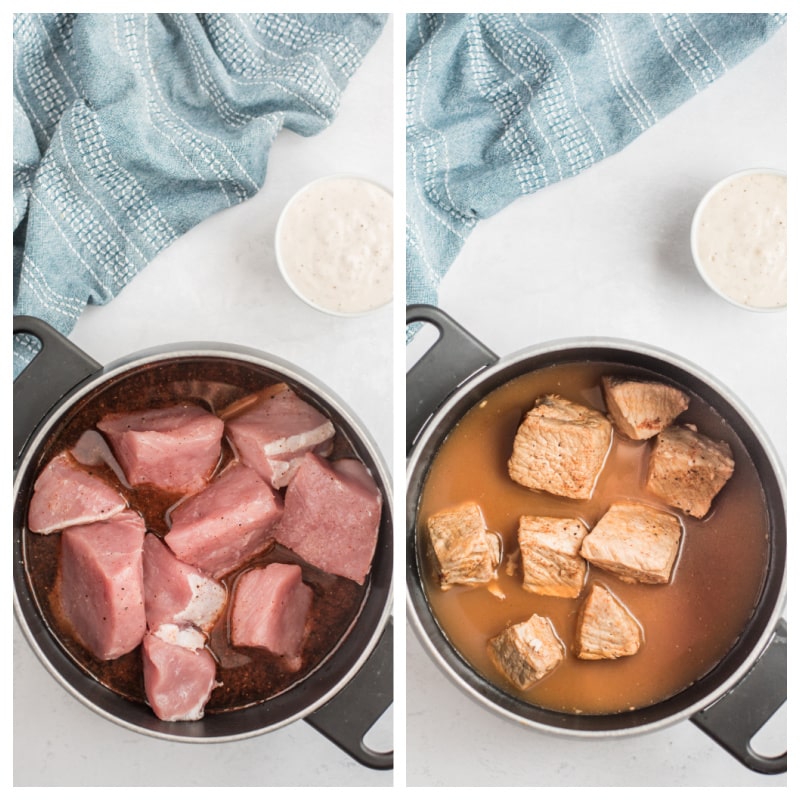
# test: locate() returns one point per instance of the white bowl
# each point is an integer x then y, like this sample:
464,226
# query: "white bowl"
334,251
740,221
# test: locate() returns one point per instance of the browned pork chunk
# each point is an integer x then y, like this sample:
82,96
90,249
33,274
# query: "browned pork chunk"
527,651
551,560
606,629
465,551
636,542
560,448
641,409
687,469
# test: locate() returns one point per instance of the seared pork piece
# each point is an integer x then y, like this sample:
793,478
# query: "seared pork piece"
175,449
560,448
466,553
687,469
527,651
178,675
641,409
227,523
333,512
178,593
636,542
66,493
551,560
101,585
606,629
272,430
270,608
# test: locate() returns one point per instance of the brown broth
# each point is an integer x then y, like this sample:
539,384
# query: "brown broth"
689,624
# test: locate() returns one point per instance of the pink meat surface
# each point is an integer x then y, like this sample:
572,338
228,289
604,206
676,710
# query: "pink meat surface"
175,449
219,528
101,585
272,430
178,680
175,592
269,609
67,493
332,515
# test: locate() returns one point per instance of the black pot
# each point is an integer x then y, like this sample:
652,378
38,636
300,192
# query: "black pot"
349,691
744,690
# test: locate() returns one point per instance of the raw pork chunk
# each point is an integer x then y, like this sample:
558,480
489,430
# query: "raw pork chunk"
466,553
175,449
270,608
175,592
272,430
332,516
687,469
178,679
606,629
551,561
101,584
560,448
634,541
67,493
231,520
527,651
641,409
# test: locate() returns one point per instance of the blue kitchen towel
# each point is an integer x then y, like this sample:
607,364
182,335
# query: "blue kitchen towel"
129,129
501,105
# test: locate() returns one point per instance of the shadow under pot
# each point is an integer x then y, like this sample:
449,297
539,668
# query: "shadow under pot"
718,609
345,682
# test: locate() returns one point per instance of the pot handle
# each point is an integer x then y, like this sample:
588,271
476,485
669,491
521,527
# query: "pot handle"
734,719
347,718
453,358
57,368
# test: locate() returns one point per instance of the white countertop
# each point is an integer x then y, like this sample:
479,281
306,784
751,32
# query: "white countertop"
607,254
220,283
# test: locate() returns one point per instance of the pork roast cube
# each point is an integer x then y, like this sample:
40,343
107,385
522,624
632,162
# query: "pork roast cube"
332,516
270,608
178,680
67,493
560,448
687,469
175,449
178,593
231,520
550,550
271,431
527,651
635,541
101,584
465,552
606,629
640,408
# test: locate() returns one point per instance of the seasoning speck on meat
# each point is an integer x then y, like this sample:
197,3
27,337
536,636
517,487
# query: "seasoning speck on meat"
466,553
636,542
551,560
687,469
606,629
527,651
560,447
640,409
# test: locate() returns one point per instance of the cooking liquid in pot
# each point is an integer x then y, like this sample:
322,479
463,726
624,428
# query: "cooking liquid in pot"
689,624
248,675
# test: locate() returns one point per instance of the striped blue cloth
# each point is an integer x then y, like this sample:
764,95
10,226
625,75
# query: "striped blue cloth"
129,129
502,105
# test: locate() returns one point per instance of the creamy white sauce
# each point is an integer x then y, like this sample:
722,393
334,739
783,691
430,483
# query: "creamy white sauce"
740,239
334,244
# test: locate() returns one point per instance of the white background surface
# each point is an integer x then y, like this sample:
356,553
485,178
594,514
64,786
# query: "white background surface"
220,283
607,254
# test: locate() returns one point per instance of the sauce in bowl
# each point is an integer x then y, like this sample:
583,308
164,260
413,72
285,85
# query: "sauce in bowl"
334,245
739,239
